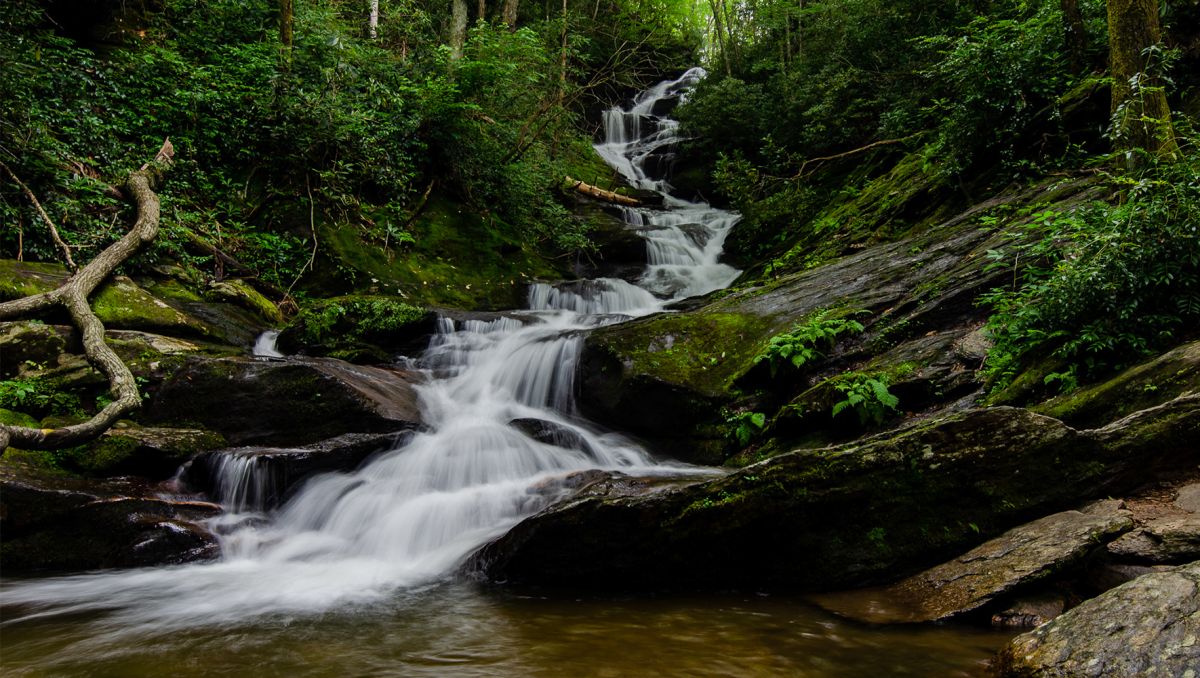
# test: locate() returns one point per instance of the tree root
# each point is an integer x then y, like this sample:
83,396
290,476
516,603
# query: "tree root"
73,295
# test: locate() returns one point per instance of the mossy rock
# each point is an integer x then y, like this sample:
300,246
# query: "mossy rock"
120,303
460,259
1155,381
26,343
129,449
359,328
845,516
241,293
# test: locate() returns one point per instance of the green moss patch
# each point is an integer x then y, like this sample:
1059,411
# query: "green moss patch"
460,258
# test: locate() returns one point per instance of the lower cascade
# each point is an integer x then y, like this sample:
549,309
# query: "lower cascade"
411,515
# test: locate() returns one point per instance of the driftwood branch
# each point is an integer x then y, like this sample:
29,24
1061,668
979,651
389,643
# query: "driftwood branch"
73,295
601,194
58,241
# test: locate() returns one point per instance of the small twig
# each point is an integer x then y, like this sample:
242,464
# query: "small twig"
45,217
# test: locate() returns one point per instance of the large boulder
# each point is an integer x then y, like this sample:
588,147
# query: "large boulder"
58,523
848,515
293,402
1015,560
1147,627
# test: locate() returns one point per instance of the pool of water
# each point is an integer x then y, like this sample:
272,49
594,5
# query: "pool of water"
458,629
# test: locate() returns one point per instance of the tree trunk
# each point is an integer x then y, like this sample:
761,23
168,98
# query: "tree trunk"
285,23
508,14
716,15
73,296
458,28
1076,36
373,20
562,72
1141,117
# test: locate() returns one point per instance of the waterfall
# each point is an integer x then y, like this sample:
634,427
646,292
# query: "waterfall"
411,515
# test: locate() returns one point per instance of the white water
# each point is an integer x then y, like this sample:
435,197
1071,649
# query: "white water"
264,345
412,515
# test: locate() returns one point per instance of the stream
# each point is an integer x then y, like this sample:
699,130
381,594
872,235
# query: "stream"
355,574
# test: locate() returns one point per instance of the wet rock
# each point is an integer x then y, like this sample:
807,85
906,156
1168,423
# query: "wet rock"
1170,540
1019,558
293,402
849,515
552,434
52,522
1149,626
268,475
1030,611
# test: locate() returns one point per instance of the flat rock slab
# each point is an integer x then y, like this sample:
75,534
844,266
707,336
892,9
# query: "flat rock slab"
1172,540
1022,556
1147,627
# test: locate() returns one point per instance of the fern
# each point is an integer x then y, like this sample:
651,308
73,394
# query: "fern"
803,343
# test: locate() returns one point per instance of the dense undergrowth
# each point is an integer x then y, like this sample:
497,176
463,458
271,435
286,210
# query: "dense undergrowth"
335,132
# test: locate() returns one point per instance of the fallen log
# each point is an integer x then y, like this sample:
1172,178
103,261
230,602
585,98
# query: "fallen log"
601,194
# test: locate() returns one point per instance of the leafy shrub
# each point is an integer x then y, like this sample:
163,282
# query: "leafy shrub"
1103,285
867,395
805,341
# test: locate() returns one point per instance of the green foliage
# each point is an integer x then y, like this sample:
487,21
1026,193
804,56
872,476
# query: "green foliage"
1102,285
989,85
36,397
805,341
347,319
745,426
867,395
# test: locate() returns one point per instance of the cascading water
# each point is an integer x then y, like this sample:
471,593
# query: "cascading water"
413,514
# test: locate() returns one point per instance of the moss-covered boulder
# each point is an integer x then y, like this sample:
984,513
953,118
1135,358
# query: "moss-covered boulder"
847,515
359,328
54,522
296,402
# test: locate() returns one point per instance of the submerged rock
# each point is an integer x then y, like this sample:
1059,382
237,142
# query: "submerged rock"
293,402
848,515
1019,558
54,522
1147,627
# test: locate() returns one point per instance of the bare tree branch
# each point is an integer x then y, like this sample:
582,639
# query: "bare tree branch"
66,250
